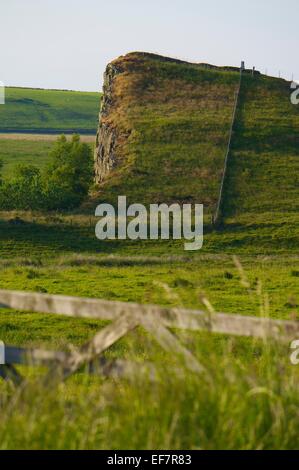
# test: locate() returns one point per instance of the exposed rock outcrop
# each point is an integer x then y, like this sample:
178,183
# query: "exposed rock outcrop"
107,135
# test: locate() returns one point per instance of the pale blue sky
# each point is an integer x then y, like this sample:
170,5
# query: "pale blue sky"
67,43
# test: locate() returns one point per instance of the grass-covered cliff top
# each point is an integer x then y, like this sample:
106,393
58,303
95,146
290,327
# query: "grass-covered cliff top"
173,119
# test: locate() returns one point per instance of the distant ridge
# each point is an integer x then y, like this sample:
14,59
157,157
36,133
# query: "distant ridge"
32,110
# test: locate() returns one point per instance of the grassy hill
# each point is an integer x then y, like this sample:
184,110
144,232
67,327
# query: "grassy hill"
38,112
46,111
173,120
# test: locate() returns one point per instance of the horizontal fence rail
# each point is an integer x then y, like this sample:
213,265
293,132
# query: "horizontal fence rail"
125,317
231,324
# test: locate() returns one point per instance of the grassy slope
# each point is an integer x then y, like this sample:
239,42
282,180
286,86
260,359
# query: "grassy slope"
262,187
37,110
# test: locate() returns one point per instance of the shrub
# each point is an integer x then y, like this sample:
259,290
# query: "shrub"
24,191
63,185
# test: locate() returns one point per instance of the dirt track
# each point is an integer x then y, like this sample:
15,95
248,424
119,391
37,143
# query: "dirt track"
42,137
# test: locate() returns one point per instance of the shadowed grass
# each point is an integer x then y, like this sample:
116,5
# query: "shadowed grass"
262,181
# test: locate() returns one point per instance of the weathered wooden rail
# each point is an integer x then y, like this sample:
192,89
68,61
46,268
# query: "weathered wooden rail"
125,317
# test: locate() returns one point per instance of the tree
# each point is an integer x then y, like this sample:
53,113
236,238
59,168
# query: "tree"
69,175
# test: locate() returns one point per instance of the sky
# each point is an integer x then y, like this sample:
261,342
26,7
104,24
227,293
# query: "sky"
66,44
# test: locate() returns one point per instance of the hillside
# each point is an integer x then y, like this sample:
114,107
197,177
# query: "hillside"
263,172
49,111
163,136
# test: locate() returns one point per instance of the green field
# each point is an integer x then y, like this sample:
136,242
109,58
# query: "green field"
17,152
20,151
178,117
45,111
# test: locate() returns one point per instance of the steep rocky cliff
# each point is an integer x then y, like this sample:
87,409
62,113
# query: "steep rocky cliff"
163,129
127,81
105,153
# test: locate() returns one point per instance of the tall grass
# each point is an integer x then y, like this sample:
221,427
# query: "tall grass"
247,398
242,406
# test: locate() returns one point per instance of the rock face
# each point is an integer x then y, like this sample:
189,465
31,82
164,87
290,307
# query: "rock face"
107,135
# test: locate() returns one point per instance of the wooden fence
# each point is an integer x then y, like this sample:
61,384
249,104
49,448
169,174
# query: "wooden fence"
123,318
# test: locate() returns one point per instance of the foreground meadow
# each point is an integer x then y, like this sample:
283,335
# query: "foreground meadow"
246,400
238,404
